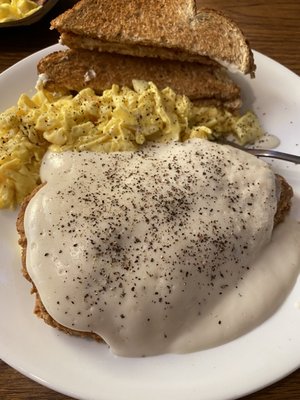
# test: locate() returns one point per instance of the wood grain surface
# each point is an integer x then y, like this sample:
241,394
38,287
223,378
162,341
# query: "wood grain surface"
272,27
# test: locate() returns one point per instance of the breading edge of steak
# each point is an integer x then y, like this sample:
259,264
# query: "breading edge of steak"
283,207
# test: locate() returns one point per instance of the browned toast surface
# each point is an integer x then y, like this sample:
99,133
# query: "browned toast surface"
74,70
138,50
174,28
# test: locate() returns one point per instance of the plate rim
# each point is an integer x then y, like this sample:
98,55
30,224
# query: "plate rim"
40,380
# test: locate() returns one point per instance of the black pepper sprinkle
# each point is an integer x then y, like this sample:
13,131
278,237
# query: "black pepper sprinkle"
173,209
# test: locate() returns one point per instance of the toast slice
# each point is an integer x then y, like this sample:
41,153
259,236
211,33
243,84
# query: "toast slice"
168,29
74,70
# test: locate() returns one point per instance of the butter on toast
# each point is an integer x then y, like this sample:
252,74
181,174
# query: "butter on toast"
168,29
74,70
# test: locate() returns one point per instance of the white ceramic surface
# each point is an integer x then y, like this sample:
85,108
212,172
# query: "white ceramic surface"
85,369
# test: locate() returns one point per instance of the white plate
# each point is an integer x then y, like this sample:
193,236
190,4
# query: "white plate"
85,369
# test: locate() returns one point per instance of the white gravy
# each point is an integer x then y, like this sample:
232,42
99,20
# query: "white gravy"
168,249
267,141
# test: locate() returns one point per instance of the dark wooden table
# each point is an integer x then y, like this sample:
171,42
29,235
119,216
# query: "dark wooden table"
273,28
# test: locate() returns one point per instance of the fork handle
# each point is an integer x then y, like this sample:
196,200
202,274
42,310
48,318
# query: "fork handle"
275,154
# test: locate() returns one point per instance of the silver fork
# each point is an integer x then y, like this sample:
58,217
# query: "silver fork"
263,153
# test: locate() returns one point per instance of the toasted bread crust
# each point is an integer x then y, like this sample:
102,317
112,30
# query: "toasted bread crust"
174,25
74,70
284,204
138,50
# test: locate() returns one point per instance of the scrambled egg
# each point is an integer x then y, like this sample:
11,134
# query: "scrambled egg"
120,119
11,10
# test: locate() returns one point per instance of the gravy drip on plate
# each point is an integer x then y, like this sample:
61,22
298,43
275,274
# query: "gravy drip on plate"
156,250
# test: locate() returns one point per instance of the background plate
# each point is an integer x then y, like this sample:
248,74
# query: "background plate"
31,19
86,370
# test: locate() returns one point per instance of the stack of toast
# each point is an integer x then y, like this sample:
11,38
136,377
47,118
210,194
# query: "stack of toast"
168,42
